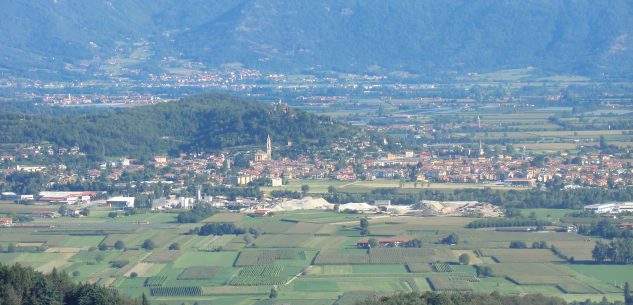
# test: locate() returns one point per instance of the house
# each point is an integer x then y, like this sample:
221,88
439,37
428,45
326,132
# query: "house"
525,182
121,202
260,213
6,221
626,226
277,182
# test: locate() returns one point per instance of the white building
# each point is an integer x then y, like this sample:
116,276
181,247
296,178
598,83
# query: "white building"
603,208
121,202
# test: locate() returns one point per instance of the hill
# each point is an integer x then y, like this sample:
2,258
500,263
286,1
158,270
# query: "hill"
204,122
426,37
23,285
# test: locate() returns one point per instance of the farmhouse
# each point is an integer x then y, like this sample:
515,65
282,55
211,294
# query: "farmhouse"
6,221
386,242
66,197
259,213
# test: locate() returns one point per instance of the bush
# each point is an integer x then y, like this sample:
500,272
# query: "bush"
518,244
464,259
133,275
174,246
76,273
149,244
119,245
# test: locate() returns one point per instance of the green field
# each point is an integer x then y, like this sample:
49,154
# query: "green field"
311,256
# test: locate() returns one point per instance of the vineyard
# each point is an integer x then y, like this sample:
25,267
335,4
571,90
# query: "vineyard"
442,267
266,257
259,275
176,291
400,255
443,283
333,257
418,267
155,281
199,273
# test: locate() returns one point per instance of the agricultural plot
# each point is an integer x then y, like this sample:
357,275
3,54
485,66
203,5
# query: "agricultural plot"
419,267
155,281
191,259
444,283
304,228
199,273
400,255
163,256
335,257
442,267
259,275
280,241
521,255
577,288
267,257
176,291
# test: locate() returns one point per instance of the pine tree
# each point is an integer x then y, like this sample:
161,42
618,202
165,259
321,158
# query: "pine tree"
628,298
144,300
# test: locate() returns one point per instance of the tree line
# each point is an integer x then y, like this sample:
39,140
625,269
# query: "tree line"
532,198
22,285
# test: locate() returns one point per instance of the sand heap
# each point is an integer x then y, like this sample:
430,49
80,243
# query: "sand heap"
458,208
358,206
305,203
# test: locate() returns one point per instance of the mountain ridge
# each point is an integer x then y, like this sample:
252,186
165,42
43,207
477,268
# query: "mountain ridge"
424,37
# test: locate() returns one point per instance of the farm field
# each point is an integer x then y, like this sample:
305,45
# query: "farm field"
309,257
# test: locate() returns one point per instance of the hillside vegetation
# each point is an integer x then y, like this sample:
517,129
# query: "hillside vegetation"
207,122
426,37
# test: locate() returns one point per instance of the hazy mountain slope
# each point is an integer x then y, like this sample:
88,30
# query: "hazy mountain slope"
428,36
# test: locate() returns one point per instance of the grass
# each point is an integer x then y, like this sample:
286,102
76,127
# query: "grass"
293,239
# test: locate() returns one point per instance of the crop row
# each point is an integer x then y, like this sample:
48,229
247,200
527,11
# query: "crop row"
176,291
155,281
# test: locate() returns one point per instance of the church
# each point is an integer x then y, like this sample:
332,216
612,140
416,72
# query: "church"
265,156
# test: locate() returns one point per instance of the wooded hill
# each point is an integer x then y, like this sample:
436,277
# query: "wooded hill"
207,122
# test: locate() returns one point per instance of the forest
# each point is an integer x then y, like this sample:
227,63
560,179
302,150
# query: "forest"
434,298
21,285
206,122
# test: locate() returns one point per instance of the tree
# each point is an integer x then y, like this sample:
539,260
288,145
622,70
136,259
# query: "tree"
11,248
373,243
305,188
76,273
119,245
273,293
628,298
63,209
483,271
517,244
464,259
364,227
113,214
174,246
103,247
451,239
148,244
144,300
133,275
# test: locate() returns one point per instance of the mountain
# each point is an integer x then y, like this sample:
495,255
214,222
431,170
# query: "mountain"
207,122
420,36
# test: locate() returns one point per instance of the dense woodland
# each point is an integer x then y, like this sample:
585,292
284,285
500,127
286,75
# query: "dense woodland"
433,298
207,122
23,286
